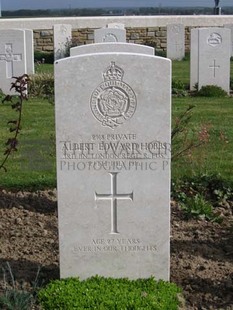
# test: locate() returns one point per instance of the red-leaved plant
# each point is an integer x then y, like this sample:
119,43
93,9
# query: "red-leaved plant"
20,87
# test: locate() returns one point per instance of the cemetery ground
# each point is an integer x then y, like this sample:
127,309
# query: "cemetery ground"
201,202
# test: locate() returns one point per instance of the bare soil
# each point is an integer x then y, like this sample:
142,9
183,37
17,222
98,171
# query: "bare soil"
201,251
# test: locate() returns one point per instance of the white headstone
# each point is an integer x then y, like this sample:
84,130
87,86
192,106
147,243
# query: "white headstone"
30,64
113,165
62,37
109,35
12,57
29,51
175,41
230,26
194,58
111,47
210,57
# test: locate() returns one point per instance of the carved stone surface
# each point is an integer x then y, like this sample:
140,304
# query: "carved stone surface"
113,165
210,57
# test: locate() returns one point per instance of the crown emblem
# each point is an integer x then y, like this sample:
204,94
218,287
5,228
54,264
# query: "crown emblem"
113,72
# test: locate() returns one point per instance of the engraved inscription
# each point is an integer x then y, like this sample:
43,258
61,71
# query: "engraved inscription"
129,165
214,67
113,102
115,245
110,37
113,196
9,57
214,39
114,153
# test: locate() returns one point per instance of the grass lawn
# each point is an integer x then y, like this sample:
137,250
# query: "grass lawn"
33,165
181,71
215,156
44,68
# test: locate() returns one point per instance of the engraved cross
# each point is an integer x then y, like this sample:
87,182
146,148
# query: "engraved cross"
214,66
113,196
9,58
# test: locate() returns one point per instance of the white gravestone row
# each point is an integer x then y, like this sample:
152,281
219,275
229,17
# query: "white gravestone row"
175,41
113,163
210,57
16,56
62,36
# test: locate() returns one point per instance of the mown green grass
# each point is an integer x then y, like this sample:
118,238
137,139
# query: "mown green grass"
215,156
43,68
181,71
33,166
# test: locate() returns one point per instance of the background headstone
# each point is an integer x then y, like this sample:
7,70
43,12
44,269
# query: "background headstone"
230,26
12,57
210,57
175,41
62,40
29,51
110,34
194,58
111,47
113,165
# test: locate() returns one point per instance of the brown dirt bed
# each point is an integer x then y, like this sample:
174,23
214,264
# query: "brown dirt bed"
201,251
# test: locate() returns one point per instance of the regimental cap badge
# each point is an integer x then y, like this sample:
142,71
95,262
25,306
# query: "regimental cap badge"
113,102
214,39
